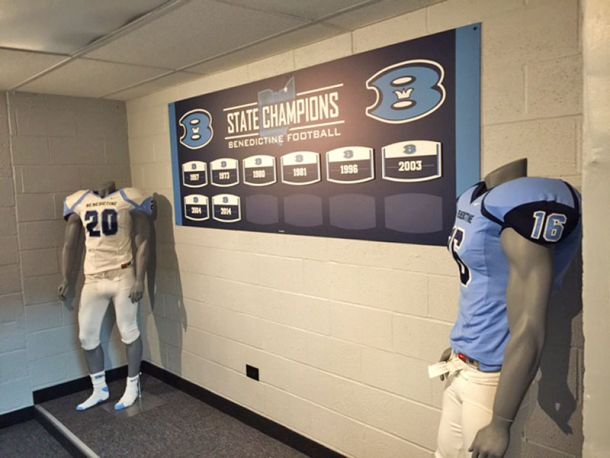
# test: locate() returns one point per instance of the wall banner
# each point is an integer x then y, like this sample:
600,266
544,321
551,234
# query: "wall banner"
374,146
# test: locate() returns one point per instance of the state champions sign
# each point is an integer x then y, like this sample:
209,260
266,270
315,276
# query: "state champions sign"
374,146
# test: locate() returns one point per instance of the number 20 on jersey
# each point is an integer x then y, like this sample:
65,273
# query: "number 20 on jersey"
104,223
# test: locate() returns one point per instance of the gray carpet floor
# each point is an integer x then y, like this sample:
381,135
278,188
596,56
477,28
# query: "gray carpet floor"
169,423
29,439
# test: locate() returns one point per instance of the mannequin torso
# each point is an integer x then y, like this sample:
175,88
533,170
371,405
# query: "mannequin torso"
507,231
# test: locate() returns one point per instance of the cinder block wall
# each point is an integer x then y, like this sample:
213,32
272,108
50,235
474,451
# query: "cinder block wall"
342,331
55,146
14,380
596,246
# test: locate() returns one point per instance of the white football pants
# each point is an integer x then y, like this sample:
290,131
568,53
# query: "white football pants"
467,407
98,291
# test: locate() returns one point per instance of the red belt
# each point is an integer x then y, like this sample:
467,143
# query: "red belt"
468,360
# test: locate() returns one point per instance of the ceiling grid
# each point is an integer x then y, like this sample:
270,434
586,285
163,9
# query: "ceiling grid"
122,50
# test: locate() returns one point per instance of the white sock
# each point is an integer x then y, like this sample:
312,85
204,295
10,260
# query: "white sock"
132,392
100,391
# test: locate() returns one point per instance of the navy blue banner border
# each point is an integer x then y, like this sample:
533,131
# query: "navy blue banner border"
465,86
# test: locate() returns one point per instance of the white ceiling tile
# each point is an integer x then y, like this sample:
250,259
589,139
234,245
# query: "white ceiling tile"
292,40
377,12
194,36
215,82
271,66
193,32
310,9
91,78
64,26
17,66
401,28
154,86
323,51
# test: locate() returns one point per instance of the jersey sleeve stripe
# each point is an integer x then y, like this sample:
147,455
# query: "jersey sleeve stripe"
574,196
487,214
146,206
69,210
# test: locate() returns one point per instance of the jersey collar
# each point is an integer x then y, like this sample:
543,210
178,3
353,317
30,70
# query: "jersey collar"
479,190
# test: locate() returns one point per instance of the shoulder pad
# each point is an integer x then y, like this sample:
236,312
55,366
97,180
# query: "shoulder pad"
137,200
72,201
542,210
468,193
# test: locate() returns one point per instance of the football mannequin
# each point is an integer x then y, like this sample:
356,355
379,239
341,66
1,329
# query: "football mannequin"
110,218
513,240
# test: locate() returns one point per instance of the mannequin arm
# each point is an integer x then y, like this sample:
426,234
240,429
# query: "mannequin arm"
68,253
527,296
141,228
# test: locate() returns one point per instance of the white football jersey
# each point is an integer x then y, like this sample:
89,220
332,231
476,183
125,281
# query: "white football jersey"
107,224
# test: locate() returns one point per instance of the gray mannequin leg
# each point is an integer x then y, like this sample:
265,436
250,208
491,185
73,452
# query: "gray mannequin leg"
95,359
134,357
132,387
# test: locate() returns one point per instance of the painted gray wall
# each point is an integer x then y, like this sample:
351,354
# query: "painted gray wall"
14,378
50,146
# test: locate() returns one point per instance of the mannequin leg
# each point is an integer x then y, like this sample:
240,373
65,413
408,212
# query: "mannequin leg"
94,304
95,359
134,357
127,322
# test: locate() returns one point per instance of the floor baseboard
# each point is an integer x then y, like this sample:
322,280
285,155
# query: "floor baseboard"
263,424
83,383
16,416
253,419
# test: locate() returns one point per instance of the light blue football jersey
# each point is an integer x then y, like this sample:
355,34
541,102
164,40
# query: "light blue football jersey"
545,211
